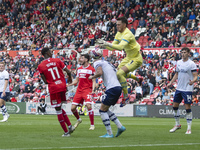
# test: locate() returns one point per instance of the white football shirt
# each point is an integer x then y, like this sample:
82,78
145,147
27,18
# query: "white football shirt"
4,75
185,70
109,73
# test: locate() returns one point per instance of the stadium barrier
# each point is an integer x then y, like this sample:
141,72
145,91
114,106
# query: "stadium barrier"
130,110
15,108
162,111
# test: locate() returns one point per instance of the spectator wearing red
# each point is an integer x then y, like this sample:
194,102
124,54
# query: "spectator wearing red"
158,43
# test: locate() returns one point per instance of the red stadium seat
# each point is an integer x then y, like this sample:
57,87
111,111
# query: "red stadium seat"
131,11
129,26
195,32
144,44
191,32
149,103
145,100
145,40
140,40
137,7
189,45
183,45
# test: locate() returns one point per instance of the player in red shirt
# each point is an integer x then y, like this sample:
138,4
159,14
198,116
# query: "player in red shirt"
84,90
51,72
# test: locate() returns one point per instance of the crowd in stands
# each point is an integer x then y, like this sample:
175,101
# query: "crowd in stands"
73,24
26,84
33,24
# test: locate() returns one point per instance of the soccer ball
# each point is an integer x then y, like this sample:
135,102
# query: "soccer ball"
96,53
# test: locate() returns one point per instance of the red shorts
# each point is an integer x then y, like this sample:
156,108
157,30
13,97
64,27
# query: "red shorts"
57,99
81,96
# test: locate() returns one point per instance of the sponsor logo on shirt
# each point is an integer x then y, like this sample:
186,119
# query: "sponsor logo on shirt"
58,82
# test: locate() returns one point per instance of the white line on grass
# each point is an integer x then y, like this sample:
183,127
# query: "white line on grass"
106,146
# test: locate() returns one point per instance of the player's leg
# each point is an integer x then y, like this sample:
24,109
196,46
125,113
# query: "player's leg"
78,100
3,107
177,100
106,121
91,115
62,121
188,100
67,121
110,98
132,65
124,72
88,103
56,102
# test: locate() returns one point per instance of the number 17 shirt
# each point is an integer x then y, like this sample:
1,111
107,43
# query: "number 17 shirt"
52,68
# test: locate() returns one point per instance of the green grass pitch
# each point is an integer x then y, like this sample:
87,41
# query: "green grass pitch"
37,132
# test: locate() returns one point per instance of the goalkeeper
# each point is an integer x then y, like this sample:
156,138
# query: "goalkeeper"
125,40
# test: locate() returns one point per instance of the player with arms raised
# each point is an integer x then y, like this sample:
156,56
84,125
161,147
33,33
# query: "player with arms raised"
186,73
84,91
51,72
125,40
113,91
4,91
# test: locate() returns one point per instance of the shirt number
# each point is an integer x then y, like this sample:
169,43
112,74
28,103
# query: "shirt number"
52,73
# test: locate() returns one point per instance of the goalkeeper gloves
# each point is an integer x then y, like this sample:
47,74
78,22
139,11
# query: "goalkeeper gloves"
103,43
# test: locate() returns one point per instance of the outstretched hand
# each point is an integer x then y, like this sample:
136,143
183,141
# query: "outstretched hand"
103,43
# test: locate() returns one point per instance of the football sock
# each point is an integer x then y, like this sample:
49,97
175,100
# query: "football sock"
4,110
106,121
113,118
61,120
76,114
130,75
176,116
91,115
121,77
189,118
67,121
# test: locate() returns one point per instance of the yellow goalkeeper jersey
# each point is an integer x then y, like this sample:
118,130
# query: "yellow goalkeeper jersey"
126,40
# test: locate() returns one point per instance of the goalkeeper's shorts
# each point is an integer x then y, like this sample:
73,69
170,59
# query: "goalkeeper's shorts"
131,63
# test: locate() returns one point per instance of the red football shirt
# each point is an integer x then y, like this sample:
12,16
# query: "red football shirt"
52,70
83,74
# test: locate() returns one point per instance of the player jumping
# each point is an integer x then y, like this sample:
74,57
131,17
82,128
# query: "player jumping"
125,40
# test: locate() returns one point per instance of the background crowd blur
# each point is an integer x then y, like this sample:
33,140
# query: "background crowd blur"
76,24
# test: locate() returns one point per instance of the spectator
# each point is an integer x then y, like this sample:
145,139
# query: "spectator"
142,23
182,39
158,43
150,55
138,91
195,43
132,30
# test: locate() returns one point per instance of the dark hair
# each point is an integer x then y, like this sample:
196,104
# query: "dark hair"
87,56
123,20
44,50
185,49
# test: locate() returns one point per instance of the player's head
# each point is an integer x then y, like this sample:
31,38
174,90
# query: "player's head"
46,52
96,53
2,66
121,24
85,58
185,52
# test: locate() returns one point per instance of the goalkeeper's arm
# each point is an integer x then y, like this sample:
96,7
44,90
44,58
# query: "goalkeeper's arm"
117,46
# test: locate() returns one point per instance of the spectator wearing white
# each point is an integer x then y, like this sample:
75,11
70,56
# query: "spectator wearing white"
170,34
183,30
195,43
165,73
20,96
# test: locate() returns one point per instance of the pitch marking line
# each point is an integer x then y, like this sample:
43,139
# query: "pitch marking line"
142,145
